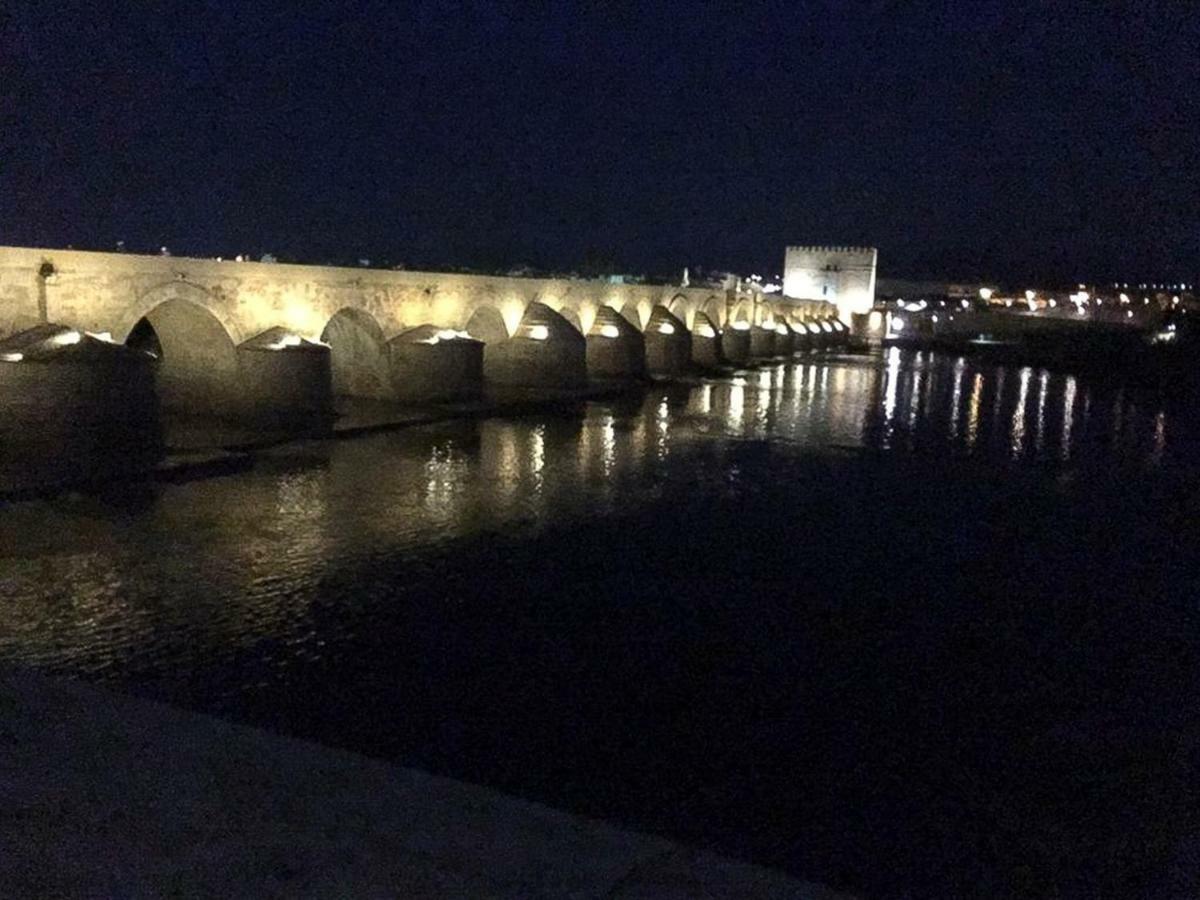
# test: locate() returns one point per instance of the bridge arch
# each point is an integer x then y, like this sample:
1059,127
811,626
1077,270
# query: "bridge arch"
714,309
358,354
679,307
487,325
197,359
572,317
632,314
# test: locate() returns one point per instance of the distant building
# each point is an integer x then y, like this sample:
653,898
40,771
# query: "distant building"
841,275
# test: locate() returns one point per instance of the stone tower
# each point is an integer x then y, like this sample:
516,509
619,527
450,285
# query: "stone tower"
841,275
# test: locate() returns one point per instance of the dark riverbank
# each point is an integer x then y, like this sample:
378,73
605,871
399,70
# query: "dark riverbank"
191,806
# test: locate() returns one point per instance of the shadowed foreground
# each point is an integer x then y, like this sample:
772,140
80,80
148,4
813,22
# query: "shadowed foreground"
106,795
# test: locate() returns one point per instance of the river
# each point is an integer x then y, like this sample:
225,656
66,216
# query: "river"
899,623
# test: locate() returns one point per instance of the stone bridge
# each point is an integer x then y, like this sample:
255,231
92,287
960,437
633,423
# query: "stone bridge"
228,334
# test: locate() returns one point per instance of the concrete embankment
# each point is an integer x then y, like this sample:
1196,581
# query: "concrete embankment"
106,795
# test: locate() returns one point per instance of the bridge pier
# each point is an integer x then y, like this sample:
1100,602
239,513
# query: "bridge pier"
75,408
358,355
615,348
735,343
429,363
284,378
545,351
668,343
785,341
706,342
762,341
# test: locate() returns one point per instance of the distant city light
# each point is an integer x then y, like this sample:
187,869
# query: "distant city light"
985,293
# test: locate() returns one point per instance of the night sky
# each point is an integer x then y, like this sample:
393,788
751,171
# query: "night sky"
1000,140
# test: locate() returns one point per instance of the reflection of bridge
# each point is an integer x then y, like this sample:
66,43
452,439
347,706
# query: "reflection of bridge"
225,331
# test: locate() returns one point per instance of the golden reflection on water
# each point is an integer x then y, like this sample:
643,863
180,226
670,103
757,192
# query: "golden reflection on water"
446,473
1017,442
737,405
1039,427
1068,417
233,558
662,424
973,410
890,384
960,365
608,441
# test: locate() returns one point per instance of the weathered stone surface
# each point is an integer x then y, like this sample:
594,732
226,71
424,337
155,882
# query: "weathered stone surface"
428,364
285,377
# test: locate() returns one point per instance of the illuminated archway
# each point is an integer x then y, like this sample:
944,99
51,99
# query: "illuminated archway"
678,307
631,314
358,357
714,308
487,325
197,363
706,341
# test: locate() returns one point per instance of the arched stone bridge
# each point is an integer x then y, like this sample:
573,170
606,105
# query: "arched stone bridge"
390,334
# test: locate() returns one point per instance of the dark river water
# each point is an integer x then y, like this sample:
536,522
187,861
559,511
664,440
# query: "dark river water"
906,624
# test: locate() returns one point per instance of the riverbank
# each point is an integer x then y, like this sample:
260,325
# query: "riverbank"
108,795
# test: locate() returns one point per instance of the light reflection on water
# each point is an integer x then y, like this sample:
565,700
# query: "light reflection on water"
212,566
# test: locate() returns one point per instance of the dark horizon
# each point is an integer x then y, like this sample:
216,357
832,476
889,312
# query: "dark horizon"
989,143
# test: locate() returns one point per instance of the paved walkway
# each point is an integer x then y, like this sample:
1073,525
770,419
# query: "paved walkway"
103,795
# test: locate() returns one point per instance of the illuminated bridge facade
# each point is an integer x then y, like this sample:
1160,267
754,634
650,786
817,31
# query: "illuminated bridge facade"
232,334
